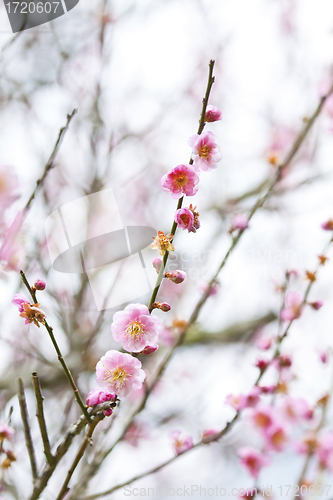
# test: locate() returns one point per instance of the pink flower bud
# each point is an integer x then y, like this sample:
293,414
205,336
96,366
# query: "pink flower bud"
149,349
262,364
328,225
40,285
268,389
176,276
323,357
317,304
98,396
239,222
165,307
213,114
157,262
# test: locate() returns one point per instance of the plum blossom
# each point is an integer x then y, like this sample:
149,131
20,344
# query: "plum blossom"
324,450
209,434
213,290
40,285
213,114
134,433
149,349
253,460
236,402
181,180
316,305
323,356
162,306
31,312
276,437
11,251
252,398
119,373
176,276
184,218
295,409
6,432
293,308
205,150
98,396
163,243
181,443
157,262
135,328
239,222
264,343
328,225
263,417
307,444
8,187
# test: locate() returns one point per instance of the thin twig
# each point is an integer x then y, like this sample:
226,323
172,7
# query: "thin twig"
60,356
202,124
79,455
51,162
41,418
26,427
64,446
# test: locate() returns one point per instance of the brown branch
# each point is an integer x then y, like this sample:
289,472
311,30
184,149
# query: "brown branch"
51,162
60,356
26,427
41,418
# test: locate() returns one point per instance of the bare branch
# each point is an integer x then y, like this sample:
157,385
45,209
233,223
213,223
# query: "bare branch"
26,426
41,418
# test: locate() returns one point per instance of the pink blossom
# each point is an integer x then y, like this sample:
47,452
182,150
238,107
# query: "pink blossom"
307,445
213,114
134,327
205,150
239,222
323,355
209,434
184,218
262,364
181,443
157,262
181,180
267,389
176,276
162,306
166,337
328,225
324,450
316,305
253,397
98,396
134,433
40,285
236,402
294,307
264,343
253,460
6,432
276,437
150,349
295,409
119,373
284,361
263,417
11,250
18,300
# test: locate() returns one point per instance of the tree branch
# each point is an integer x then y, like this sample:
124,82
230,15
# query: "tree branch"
41,418
26,427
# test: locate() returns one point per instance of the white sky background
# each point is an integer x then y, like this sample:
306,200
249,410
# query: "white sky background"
264,76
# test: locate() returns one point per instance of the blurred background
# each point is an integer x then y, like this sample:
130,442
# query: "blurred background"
137,73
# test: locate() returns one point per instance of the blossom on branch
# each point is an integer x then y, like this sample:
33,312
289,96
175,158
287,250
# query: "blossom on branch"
213,114
135,328
6,432
98,396
119,373
253,460
181,443
293,308
163,243
205,150
31,312
181,180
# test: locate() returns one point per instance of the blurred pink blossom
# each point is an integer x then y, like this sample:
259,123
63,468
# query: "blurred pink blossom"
324,450
236,402
293,308
181,443
205,151
239,222
253,460
98,396
276,437
6,432
135,328
328,225
8,187
295,410
263,417
120,373
11,251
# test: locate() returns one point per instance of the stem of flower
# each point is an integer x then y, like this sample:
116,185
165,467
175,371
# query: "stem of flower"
202,124
60,356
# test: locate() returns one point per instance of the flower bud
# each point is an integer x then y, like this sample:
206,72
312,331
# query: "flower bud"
40,285
149,349
157,262
213,114
317,304
176,276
